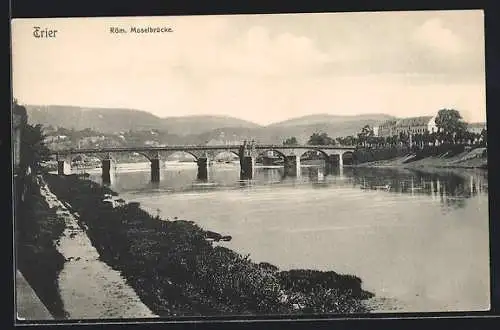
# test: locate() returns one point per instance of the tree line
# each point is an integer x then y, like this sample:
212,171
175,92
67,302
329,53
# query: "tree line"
33,150
451,129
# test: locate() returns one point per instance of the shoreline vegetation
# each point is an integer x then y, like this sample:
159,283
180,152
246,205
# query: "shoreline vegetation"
445,156
177,271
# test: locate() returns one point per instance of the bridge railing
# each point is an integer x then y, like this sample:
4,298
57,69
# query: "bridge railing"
196,147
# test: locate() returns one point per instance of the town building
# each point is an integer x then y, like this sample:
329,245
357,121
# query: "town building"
476,128
55,138
386,128
411,125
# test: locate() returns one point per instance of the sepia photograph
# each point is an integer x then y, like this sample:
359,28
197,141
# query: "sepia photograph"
250,166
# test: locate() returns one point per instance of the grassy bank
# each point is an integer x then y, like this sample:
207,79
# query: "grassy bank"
177,271
37,227
456,156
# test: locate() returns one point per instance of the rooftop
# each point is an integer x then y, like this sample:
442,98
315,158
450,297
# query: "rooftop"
414,121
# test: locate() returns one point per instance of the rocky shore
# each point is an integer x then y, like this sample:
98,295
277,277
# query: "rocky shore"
176,270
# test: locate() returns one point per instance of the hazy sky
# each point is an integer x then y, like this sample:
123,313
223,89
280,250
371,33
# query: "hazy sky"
262,68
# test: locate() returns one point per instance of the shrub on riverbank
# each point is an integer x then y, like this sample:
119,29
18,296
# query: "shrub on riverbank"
37,227
176,271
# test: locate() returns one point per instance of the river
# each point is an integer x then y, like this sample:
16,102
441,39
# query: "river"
422,244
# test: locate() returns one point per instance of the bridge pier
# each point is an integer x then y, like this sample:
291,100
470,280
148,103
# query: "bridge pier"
334,161
106,170
247,164
155,169
203,168
292,166
63,167
331,162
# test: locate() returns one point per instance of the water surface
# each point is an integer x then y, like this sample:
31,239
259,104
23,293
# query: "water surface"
418,239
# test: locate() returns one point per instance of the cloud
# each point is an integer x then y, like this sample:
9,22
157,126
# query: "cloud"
252,68
434,36
257,53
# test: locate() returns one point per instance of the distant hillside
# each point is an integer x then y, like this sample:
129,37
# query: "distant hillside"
108,120
276,133
199,124
302,128
199,129
99,119
330,119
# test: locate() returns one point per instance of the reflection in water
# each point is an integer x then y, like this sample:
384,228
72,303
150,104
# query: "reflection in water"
422,244
450,187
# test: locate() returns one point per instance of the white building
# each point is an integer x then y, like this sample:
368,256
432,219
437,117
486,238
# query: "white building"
413,125
386,128
431,125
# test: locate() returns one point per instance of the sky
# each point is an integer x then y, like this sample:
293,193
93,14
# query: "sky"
261,68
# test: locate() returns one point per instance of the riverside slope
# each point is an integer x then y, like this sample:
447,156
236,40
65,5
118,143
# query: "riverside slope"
89,288
475,158
177,272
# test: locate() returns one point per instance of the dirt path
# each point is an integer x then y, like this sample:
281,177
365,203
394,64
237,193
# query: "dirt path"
89,288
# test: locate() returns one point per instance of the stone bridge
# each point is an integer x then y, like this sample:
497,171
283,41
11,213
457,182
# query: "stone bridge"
247,154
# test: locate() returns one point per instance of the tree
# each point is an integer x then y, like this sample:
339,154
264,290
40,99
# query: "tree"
450,124
290,141
426,138
320,139
365,134
350,140
403,138
484,137
33,148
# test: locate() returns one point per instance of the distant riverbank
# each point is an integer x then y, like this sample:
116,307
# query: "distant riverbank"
471,159
177,270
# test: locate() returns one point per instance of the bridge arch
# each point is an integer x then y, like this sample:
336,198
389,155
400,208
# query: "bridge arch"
263,152
217,153
146,155
183,152
80,156
348,157
323,153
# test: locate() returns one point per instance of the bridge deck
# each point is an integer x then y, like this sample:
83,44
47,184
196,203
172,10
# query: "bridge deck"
198,147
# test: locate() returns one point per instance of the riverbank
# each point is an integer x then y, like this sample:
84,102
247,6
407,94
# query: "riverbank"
473,159
59,261
37,228
177,271
88,287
